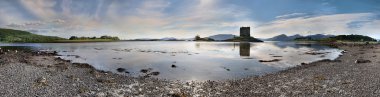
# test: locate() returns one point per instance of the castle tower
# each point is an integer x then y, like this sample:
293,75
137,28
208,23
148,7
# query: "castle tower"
245,32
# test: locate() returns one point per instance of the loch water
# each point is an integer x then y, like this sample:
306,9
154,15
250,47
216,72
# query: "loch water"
187,60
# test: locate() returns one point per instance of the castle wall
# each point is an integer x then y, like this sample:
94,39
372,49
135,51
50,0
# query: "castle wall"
245,32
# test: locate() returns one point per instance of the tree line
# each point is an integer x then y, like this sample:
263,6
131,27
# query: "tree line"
90,38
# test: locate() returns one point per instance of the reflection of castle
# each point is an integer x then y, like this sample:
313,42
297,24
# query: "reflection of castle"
245,32
245,49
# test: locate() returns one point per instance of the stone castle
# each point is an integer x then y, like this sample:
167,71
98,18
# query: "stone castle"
245,32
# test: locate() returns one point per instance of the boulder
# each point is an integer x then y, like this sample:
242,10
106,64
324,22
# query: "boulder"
358,61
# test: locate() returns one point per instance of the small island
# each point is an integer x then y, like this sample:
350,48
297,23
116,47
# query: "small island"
245,36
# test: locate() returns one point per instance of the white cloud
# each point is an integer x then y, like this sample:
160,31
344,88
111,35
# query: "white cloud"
162,18
40,8
292,15
327,24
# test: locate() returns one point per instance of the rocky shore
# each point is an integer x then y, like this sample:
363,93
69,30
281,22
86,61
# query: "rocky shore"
29,73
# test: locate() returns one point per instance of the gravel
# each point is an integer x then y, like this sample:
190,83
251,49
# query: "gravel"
41,74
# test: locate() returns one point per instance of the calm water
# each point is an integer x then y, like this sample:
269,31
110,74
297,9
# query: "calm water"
192,60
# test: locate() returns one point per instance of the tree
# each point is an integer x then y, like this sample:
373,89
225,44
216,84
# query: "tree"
73,38
197,38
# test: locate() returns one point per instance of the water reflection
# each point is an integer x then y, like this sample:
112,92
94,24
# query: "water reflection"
192,60
245,49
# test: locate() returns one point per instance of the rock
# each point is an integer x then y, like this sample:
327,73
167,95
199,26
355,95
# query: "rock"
42,80
337,60
314,53
144,70
83,90
358,61
273,60
120,69
377,91
82,65
276,56
176,95
100,94
155,73
174,66
105,80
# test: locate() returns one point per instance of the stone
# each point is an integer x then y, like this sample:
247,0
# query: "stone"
155,73
144,70
82,65
120,69
42,80
273,60
358,61
100,94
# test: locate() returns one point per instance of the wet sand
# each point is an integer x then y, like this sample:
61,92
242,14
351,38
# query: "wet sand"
356,73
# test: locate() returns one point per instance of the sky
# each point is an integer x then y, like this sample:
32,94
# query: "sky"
130,19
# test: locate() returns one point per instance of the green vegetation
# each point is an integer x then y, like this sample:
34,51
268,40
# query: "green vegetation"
247,39
75,39
10,35
94,38
235,39
340,38
352,38
80,41
305,39
198,38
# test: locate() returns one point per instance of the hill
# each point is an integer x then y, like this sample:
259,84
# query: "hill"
284,37
221,37
241,39
352,38
168,39
344,38
319,36
10,35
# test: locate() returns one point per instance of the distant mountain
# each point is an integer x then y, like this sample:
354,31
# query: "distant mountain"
144,39
168,39
319,36
156,39
350,38
186,39
11,35
295,36
284,37
221,37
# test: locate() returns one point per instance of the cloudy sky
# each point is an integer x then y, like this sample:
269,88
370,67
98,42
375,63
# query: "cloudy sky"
130,19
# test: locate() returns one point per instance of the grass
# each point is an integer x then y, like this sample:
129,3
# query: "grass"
18,36
87,40
10,35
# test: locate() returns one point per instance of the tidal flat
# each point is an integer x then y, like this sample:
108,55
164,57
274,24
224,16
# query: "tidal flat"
36,73
187,60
